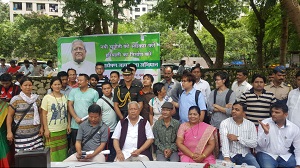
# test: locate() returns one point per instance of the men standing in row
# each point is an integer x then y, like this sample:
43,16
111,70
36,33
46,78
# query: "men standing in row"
125,93
79,101
293,103
258,100
237,136
240,86
201,84
172,87
275,137
277,86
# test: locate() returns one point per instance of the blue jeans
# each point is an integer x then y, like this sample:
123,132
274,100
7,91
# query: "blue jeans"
239,159
161,157
267,161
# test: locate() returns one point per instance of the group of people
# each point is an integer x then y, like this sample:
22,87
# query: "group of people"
27,69
82,115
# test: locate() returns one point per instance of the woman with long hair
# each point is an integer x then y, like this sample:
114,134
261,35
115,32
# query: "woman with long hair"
55,121
29,134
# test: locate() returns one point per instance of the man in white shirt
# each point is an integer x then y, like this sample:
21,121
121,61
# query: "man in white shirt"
293,103
201,84
237,136
26,69
133,136
275,137
79,63
240,85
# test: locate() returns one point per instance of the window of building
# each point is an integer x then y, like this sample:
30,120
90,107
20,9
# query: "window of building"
17,5
40,6
144,9
28,6
137,9
137,16
53,7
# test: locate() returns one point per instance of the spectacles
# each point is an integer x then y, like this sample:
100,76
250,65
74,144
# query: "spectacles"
78,48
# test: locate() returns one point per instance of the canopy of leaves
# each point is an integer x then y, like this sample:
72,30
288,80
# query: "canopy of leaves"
33,36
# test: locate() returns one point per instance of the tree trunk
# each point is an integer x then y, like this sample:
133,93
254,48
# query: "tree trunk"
217,35
260,34
284,37
97,27
198,43
292,9
105,26
115,15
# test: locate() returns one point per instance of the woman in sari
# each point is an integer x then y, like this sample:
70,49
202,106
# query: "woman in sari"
197,140
55,121
29,134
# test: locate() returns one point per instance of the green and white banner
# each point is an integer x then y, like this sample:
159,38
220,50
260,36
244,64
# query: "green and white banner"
114,50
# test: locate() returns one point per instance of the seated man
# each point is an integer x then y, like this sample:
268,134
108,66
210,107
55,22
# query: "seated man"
133,136
237,136
275,137
89,140
165,132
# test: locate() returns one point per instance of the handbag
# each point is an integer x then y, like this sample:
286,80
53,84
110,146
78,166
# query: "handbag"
72,150
15,126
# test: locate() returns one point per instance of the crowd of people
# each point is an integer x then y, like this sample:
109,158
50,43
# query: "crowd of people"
139,120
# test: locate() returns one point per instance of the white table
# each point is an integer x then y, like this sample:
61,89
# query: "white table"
148,164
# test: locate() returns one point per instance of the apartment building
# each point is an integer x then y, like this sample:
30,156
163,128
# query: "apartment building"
47,7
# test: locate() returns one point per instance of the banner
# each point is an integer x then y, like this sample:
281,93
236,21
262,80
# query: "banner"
114,50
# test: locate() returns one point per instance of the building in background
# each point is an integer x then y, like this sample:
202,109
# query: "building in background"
47,7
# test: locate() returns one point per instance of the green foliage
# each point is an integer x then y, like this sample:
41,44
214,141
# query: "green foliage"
4,12
89,15
33,36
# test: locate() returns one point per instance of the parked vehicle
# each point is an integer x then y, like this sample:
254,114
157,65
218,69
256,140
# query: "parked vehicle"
43,64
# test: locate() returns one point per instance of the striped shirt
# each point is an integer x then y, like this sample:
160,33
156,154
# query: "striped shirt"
247,137
258,106
101,81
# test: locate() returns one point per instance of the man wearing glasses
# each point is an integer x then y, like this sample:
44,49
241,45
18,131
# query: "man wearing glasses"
79,63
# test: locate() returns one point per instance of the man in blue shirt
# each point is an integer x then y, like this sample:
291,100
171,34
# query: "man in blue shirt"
187,98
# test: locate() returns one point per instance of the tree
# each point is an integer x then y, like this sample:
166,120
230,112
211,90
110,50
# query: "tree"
4,12
261,9
94,17
175,43
210,13
38,35
292,9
